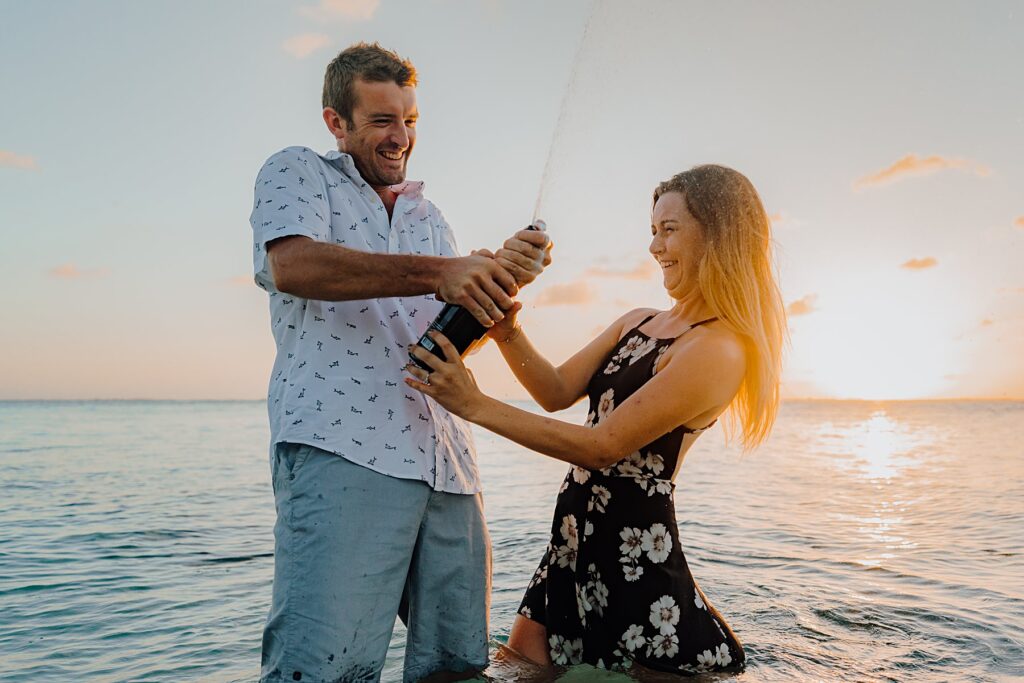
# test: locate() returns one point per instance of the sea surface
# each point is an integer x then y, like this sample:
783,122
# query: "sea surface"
863,542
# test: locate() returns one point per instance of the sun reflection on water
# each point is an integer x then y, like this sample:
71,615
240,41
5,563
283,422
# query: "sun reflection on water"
877,449
878,454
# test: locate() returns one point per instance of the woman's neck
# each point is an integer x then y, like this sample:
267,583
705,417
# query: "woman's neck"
690,308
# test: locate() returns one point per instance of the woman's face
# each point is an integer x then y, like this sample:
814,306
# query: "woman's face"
677,243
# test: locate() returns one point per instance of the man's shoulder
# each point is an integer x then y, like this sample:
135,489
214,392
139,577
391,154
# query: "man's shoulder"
431,208
295,166
296,154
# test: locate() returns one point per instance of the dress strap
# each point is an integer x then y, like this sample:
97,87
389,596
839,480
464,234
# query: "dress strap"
643,322
696,324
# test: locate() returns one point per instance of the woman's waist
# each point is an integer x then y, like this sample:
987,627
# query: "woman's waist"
636,501
630,481
641,464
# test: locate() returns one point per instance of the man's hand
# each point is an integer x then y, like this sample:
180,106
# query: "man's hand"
525,255
479,284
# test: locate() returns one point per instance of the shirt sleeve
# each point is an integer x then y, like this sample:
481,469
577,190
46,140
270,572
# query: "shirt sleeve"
288,199
444,236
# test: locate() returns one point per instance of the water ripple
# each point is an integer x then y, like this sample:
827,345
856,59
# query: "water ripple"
864,542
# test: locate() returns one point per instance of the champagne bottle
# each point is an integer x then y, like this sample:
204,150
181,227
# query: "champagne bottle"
458,324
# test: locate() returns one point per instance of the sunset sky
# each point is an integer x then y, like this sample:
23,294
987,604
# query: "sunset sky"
886,139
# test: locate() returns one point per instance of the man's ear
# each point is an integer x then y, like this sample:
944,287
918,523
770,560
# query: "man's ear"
337,125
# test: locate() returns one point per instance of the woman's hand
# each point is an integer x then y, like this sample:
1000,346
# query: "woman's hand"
503,329
449,381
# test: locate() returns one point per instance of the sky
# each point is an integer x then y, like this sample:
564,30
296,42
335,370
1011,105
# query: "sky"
886,140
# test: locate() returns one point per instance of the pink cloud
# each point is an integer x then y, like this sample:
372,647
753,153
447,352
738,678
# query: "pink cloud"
568,294
1019,222
12,160
355,10
643,270
305,44
802,306
919,263
69,271
913,165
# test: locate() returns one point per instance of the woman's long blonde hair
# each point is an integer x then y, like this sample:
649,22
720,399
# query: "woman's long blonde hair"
737,280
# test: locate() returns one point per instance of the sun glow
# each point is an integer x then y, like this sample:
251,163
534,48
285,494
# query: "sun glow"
898,345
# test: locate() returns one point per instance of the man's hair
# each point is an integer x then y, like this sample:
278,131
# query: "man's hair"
366,61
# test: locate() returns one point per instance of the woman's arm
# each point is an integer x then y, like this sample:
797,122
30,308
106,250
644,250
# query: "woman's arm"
555,388
700,378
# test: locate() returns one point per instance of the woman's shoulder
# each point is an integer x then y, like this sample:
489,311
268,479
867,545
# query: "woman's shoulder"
633,318
712,346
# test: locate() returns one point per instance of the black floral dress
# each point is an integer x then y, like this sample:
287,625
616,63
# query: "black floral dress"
613,586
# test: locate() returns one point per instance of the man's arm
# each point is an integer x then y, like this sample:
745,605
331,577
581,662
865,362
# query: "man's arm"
328,272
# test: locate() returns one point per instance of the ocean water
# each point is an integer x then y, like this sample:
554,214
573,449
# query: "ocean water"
863,542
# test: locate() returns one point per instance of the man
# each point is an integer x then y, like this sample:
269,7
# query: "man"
376,488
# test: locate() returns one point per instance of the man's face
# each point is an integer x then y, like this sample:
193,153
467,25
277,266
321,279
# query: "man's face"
382,131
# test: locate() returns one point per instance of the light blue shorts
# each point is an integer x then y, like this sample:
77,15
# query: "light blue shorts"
353,549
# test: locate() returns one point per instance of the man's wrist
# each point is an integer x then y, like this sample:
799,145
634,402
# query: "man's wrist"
430,271
477,407
436,273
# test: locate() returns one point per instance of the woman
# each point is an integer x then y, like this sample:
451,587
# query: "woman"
613,587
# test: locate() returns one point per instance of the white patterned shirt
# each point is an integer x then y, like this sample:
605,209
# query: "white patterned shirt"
337,380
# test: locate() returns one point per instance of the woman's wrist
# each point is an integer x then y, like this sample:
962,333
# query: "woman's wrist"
512,336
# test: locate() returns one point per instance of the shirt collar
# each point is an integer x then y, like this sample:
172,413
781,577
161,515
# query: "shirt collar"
412,189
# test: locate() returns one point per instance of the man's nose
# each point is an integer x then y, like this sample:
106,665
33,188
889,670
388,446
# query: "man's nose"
400,136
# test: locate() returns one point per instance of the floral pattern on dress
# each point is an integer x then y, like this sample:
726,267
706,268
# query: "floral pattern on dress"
632,349
605,405
564,651
657,543
613,587
591,596
566,554
600,498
